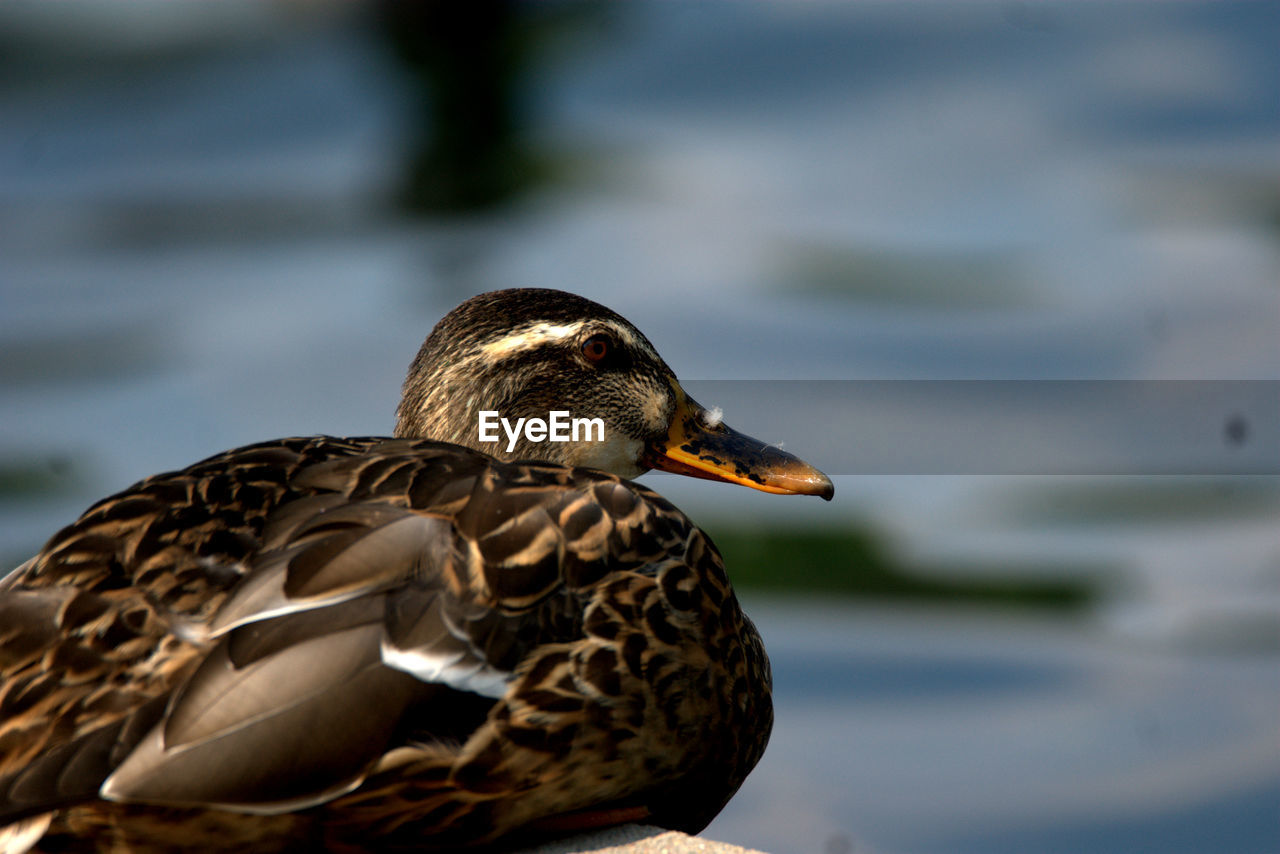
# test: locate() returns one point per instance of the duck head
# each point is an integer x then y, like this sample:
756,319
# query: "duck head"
530,353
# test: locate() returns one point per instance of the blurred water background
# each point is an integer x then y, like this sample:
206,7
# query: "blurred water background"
1025,257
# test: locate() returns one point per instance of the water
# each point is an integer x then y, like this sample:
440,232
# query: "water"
931,731
195,253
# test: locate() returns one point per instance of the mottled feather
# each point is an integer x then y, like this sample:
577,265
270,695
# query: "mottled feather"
562,603
397,643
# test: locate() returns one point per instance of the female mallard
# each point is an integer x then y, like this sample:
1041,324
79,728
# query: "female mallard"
400,643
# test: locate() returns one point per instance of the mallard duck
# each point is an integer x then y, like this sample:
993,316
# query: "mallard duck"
426,641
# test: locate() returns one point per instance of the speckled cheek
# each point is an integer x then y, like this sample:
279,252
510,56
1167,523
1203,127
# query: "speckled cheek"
656,411
617,453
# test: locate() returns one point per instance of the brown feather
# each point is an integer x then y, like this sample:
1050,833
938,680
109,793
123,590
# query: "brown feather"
320,642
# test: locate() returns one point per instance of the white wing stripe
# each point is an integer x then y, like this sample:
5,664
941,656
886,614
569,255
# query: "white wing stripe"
458,670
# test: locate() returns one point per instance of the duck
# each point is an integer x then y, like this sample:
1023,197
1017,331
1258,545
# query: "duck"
435,640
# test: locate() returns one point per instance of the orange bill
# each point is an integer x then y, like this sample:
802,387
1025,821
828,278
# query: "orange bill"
698,445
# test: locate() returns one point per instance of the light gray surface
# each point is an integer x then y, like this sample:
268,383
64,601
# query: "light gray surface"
637,839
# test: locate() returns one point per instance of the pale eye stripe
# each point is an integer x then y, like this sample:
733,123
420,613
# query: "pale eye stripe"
533,336
629,338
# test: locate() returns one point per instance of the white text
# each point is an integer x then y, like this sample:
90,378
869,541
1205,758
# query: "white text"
558,428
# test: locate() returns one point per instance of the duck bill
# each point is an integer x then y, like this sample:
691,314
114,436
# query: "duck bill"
697,447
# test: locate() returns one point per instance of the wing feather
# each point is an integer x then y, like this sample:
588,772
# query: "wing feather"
337,561
407,599
249,737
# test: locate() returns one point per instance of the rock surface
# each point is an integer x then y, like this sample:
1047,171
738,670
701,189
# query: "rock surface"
636,839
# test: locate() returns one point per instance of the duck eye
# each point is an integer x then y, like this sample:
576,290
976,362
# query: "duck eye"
597,347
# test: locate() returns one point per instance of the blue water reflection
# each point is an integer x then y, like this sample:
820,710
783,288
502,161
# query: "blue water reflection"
857,679
1243,822
932,731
